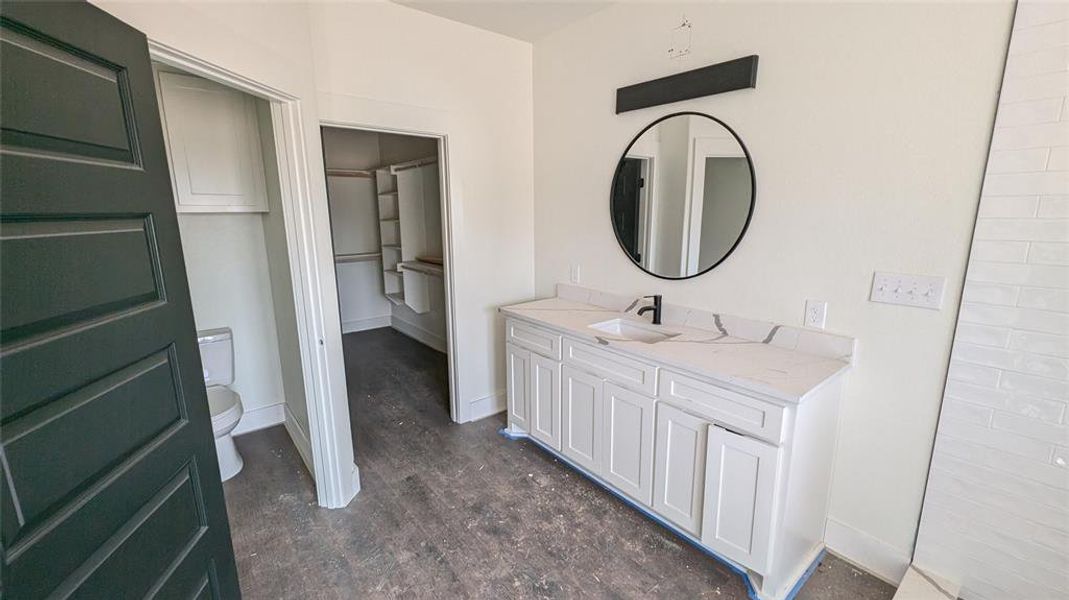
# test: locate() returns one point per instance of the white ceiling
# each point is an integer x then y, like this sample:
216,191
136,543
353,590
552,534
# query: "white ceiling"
520,19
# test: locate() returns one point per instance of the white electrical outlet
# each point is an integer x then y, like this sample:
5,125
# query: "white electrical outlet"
923,291
575,274
816,313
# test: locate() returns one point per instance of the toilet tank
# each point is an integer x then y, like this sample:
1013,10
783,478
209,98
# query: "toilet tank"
217,356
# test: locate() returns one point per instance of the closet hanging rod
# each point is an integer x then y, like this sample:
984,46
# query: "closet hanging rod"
350,173
421,267
358,257
412,164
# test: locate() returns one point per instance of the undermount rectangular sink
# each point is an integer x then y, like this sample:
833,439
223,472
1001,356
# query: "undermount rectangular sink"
638,332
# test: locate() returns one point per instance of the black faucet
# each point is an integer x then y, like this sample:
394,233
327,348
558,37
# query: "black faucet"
656,308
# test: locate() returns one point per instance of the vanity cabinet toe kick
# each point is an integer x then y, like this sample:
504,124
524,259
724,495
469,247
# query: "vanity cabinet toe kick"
744,478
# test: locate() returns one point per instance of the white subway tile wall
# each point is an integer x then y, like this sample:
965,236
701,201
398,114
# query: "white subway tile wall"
996,512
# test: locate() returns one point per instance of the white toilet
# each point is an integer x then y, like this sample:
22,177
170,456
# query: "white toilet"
217,358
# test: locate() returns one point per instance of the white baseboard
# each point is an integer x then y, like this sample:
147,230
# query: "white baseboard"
480,408
260,418
419,334
861,549
355,325
300,440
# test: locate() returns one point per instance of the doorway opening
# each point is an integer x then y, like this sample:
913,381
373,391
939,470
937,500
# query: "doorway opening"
224,167
390,240
329,438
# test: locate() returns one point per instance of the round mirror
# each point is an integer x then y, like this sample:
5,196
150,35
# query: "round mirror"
682,195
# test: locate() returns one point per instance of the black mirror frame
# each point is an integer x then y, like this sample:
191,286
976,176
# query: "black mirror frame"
749,215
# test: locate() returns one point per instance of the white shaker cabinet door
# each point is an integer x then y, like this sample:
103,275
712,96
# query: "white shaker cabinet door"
740,489
679,469
581,422
213,142
544,405
628,456
518,367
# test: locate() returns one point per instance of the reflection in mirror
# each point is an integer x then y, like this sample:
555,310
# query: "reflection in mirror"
682,196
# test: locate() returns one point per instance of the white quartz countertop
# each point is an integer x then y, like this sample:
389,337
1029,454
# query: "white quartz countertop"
780,373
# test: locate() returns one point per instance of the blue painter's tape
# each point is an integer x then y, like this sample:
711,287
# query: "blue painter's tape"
751,592
512,435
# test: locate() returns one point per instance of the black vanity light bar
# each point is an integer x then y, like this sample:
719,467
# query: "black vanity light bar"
722,77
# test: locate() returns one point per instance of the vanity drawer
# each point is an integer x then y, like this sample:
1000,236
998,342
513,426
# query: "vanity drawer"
735,411
628,372
538,340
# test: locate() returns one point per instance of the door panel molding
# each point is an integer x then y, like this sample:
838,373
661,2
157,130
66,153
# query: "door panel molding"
95,125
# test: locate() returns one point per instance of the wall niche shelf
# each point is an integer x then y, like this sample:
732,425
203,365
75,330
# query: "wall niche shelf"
390,241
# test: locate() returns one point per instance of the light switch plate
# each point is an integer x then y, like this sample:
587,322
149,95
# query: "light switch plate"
816,313
574,275
923,291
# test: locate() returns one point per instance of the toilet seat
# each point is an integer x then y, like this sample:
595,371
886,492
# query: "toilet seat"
225,406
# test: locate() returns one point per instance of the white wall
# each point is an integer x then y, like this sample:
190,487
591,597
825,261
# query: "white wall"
226,262
426,74
996,513
868,129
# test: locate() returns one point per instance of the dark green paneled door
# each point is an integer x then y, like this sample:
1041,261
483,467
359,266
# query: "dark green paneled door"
110,485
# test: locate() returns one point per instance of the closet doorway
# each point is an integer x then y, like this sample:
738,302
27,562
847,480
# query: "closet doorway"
390,234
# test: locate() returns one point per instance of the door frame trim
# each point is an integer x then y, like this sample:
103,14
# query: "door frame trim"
448,220
336,475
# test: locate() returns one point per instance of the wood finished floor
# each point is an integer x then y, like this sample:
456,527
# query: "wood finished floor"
457,511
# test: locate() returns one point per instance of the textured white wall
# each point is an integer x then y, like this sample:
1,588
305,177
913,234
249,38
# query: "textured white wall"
868,128
996,513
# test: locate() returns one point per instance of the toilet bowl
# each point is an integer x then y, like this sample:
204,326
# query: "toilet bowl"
226,411
217,358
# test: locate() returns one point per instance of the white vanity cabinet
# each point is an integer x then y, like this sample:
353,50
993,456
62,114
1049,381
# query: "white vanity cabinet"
680,467
544,400
517,369
582,420
740,490
742,474
628,442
